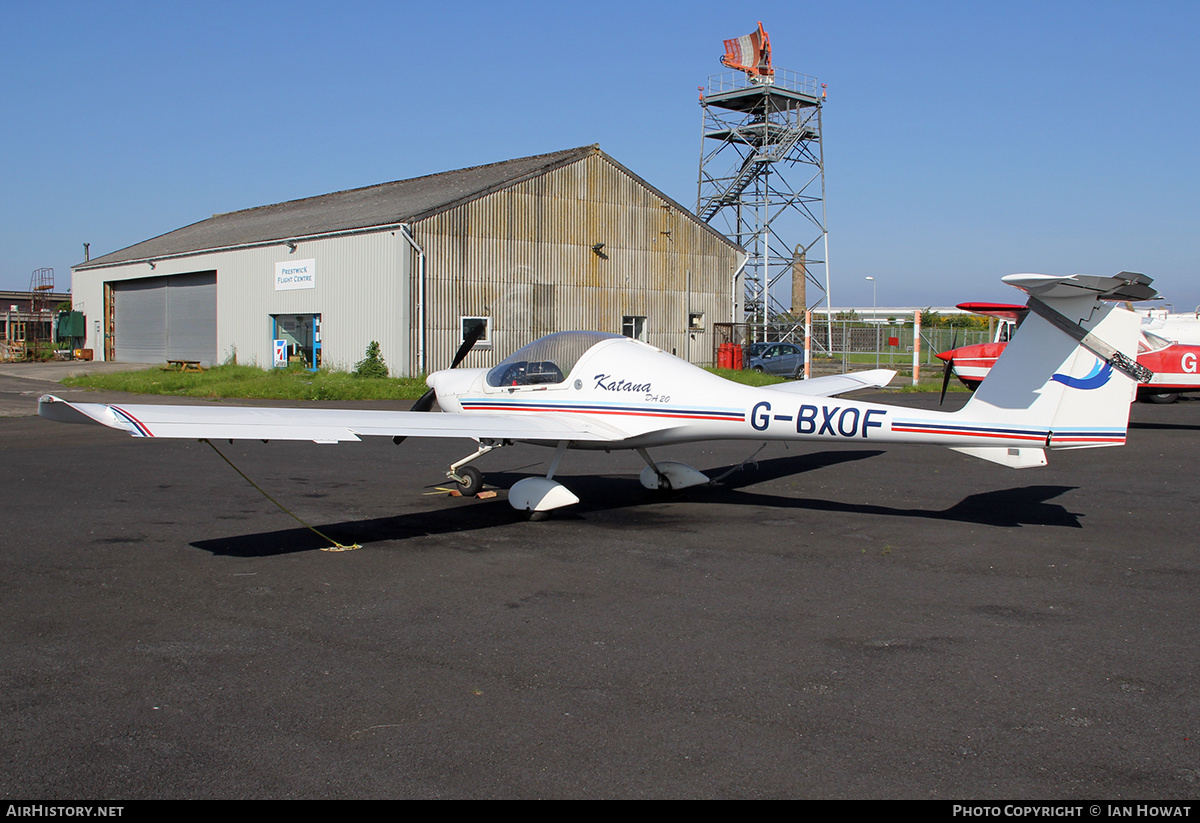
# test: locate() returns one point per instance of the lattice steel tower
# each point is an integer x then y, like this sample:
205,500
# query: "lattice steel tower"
762,177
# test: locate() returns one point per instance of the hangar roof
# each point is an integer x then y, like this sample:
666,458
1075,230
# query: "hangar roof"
385,204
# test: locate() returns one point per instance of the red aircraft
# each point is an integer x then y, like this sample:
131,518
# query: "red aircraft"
1176,366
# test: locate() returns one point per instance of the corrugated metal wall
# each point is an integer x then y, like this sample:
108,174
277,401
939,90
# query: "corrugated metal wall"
524,257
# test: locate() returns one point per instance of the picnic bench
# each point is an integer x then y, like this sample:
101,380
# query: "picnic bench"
183,365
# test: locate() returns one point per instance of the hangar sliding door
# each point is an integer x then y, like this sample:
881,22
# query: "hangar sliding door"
166,318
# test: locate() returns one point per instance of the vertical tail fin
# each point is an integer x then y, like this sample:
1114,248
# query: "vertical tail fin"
1067,371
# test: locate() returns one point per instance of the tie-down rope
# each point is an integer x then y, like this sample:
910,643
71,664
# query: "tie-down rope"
336,547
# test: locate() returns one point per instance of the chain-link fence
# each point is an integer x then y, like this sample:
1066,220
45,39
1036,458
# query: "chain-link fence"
845,345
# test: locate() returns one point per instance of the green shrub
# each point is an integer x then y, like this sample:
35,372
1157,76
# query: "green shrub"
372,365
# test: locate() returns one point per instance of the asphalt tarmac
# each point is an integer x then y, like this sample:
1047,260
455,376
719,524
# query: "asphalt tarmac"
851,622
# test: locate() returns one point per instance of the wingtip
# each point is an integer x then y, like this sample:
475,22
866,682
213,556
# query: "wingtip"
60,411
879,378
48,404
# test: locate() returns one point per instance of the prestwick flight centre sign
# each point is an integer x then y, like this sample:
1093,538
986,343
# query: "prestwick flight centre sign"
295,274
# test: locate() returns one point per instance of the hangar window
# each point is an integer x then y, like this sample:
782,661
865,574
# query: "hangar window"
469,325
634,326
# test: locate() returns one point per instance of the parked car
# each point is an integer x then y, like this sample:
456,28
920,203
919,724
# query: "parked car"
778,358
752,350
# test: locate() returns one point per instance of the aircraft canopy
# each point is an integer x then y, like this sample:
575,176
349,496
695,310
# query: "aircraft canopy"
546,360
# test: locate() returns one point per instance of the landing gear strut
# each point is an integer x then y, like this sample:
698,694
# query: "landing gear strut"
469,478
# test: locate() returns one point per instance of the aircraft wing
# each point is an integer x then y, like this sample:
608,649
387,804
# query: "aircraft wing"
1004,311
833,384
319,425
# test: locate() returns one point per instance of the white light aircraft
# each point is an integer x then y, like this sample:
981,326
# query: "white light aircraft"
1065,382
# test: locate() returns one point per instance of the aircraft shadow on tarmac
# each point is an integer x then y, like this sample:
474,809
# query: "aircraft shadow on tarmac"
1166,426
1006,508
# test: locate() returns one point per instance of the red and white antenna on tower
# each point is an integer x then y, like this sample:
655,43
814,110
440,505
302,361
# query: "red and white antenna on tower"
751,54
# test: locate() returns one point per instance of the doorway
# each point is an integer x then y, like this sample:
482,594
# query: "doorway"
297,340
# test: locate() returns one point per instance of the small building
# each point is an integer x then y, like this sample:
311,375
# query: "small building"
567,240
27,316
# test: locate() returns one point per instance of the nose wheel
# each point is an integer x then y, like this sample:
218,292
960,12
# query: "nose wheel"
470,481
468,478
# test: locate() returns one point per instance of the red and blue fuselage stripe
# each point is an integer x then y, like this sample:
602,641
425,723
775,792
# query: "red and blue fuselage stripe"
1080,436
923,427
1114,437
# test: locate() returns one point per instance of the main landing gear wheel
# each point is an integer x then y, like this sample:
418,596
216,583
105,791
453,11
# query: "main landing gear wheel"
537,517
471,483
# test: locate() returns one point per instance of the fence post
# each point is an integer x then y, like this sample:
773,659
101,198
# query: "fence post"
916,346
807,343
845,345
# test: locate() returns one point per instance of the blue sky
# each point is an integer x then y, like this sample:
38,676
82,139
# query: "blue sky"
963,140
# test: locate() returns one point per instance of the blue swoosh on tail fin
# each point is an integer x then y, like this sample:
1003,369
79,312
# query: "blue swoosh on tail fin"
1097,377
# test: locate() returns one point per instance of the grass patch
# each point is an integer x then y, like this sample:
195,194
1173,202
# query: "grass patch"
747,377
931,386
254,383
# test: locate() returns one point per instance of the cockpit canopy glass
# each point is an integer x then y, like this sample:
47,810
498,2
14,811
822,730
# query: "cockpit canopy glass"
545,361
1152,342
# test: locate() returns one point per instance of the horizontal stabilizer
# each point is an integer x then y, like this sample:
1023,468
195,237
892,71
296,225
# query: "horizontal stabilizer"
1124,286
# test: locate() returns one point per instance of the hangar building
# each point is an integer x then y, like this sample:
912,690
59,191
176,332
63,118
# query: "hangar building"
567,240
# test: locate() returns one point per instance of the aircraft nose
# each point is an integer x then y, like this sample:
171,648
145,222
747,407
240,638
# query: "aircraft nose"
449,384
442,382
